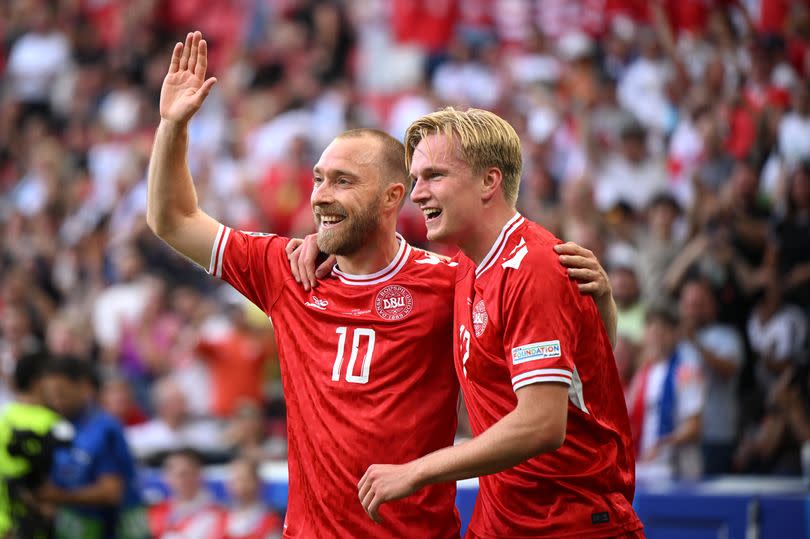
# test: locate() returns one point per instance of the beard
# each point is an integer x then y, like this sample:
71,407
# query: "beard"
354,233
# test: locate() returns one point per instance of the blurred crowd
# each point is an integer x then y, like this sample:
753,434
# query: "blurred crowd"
671,138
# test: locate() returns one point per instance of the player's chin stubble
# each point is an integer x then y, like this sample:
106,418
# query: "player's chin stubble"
352,234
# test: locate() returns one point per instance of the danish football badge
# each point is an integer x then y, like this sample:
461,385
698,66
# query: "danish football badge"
480,318
393,302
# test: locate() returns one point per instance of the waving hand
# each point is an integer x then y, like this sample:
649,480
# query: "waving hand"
185,87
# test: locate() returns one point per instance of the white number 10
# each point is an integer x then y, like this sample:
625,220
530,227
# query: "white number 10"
361,378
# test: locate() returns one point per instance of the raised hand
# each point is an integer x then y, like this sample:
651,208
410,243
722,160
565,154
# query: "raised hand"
185,87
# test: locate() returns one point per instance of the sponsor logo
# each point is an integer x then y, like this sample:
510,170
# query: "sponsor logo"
317,303
257,234
480,318
534,351
393,302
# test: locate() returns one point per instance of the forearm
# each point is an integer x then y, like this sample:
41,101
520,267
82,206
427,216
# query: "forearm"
509,442
688,432
724,367
610,316
108,490
171,194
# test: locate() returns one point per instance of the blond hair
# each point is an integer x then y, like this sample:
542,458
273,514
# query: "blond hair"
484,139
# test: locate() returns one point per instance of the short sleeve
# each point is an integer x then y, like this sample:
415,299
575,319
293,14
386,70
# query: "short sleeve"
539,316
254,263
725,342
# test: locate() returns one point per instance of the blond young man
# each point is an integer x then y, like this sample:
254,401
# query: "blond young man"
553,447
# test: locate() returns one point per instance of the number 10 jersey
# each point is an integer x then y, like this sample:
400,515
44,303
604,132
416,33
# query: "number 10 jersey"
368,376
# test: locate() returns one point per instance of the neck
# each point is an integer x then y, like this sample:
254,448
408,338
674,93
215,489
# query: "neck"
27,398
478,240
245,503
374,255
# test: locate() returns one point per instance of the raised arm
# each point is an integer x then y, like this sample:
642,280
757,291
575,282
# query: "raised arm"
172,212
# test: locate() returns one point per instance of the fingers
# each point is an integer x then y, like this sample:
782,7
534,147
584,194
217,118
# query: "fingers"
205,89
373,509
174,65
571,248
576,261
195,47
589,289
293,246
363,486
186,52
326,267
310,257
202,60
584,275
293,254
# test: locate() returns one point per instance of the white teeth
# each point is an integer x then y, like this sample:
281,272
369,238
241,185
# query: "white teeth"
430,213
331,219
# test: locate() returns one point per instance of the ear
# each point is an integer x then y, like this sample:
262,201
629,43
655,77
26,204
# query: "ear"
491,184
393,196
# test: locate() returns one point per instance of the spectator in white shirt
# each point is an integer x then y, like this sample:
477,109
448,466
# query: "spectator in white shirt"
721,352
173,428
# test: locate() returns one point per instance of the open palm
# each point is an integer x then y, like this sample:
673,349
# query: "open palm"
185,87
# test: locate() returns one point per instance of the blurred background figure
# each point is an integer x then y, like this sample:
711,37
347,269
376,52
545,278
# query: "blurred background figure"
190,511
93,480
248,517
30,432
666,403
173,428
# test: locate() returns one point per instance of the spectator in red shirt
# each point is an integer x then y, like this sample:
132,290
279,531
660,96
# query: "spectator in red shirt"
236,362
248,517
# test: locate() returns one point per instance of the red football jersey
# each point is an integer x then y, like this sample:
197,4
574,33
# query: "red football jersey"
521,320
365,364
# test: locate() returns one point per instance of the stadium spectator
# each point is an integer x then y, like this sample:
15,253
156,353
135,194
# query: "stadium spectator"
118,401
173,428
247,434
658,246
629,306
93,480
30,432
666,402
16,340
777,333
775,445
721,352
248,517
237,361
790,245
190,511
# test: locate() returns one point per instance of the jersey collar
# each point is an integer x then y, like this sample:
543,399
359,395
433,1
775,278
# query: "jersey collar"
381,276
497,247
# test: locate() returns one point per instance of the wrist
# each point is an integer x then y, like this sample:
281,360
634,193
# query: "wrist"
419,474
173,124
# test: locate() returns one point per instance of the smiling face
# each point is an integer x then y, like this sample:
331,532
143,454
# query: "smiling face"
444,189
346,195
